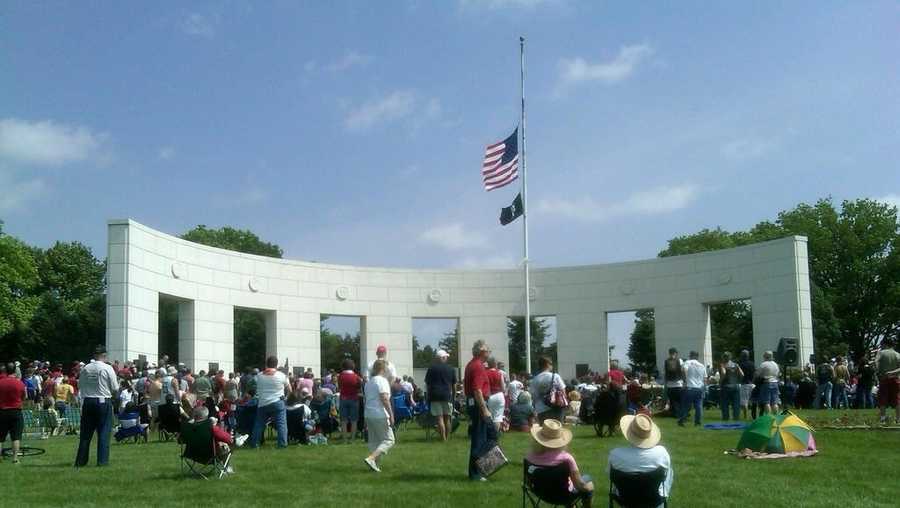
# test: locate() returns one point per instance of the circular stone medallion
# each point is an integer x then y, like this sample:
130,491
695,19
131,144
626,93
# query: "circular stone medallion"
342,293
253,284
434,296
177,270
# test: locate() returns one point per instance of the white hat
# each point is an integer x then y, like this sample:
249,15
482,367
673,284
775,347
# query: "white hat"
640,430
442,354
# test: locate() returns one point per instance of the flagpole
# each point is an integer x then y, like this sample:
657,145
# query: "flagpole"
525,217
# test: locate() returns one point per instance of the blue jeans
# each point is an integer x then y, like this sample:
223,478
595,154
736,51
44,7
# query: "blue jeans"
730,399
691,397
823,395
96,416
840,396
276,412
483,436
864,397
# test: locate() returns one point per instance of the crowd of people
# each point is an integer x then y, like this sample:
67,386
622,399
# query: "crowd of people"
352,403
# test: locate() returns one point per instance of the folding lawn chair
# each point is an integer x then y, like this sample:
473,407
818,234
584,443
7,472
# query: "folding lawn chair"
198,451
169,421
548,484
402,412
136,433
637,489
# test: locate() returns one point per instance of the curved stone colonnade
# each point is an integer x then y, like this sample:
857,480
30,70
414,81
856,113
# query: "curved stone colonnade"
210,283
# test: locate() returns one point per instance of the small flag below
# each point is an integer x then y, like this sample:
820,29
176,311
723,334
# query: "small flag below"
501,162
513,211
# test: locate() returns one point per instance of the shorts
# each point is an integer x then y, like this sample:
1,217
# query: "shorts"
441,408
11,423
154,409
746,390
496,405
768,394
889,392
349,410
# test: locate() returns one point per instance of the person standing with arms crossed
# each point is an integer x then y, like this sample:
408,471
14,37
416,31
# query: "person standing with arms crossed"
477,388
97,383
12,392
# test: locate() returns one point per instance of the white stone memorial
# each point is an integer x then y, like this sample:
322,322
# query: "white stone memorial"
209,283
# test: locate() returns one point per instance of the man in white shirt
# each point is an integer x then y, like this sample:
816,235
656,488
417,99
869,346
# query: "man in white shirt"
694,380
271,388
390,373
768,392
97,383
514,388
645,454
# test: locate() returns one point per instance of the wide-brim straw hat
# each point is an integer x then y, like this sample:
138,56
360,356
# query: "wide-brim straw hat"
552,434
640,430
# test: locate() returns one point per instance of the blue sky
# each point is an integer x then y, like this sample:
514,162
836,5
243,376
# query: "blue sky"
352,132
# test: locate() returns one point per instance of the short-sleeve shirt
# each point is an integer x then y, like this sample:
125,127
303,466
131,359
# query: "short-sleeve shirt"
12,391
632,459
63,392
270,387
349,382
376,386
495,379
439,382
476,379
886,361
749,369
769,371
552,458
694,374
617,376
98,380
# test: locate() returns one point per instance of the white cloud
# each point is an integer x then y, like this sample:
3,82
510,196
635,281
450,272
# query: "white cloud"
890,199
745,149
199,25
47,143
655,201
350,59
489,262
453,237
578,70
166,152
393,106
17,194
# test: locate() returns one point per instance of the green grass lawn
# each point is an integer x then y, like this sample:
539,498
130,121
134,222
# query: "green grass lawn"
853,468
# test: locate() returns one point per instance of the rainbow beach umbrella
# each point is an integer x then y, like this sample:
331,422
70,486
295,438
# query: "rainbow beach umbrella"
777,434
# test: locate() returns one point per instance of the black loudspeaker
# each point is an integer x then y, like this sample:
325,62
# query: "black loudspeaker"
788,353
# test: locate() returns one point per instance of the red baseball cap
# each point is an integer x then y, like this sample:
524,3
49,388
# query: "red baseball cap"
381,349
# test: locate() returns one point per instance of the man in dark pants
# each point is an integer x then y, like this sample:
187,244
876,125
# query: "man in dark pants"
477,388
97,383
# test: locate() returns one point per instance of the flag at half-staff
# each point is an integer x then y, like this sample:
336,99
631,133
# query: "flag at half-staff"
512,212
501,162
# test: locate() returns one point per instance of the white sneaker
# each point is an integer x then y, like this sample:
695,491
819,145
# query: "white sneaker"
229,470
241,439
372,464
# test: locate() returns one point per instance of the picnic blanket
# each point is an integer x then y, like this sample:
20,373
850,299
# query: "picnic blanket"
725,426
747,453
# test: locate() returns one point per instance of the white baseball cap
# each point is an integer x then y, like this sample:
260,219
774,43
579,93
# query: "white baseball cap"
442,354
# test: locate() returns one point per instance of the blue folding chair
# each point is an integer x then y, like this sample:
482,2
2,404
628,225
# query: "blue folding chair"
402,412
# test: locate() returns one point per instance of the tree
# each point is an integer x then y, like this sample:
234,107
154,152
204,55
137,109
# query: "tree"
422,356
732,327
335,348
240,240
249,326
642,345
450,343
18,280
515,330
854,267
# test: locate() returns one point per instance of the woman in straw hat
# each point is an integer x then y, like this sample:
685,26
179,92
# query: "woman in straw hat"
550,441
645,453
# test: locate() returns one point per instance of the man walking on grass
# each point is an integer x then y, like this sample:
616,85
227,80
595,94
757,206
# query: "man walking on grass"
887,364
439,381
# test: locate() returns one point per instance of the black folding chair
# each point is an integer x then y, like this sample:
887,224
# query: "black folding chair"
548,484
169,421
198,451
637,490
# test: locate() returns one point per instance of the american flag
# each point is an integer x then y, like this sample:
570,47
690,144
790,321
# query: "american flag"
501,162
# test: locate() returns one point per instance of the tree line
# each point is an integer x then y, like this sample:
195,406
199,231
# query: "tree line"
854,272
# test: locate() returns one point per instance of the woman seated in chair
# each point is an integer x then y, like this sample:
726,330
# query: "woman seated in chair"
521,414
131,417
549,449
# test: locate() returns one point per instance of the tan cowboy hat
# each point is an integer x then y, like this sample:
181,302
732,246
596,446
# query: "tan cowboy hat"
552,434
640,430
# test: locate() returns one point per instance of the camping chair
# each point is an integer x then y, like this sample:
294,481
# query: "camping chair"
245,419
402,411
198,451
296,426
549,484
169,421
637,489
136,433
